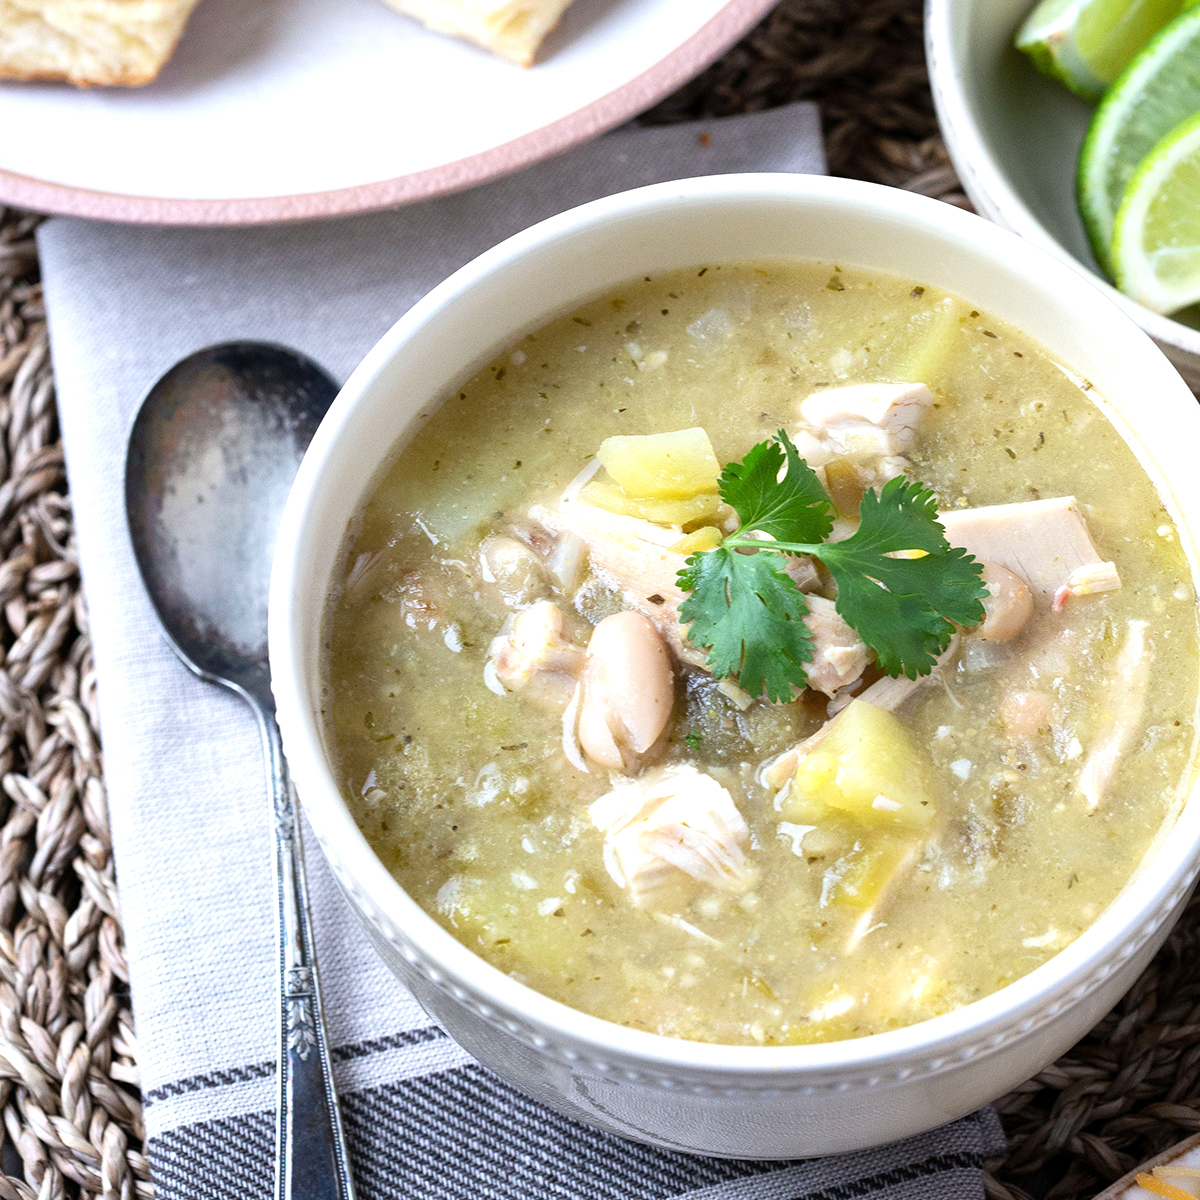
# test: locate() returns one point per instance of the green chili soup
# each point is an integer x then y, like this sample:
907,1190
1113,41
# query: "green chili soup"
547,765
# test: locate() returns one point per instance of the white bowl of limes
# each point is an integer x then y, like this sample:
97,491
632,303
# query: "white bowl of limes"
1126,209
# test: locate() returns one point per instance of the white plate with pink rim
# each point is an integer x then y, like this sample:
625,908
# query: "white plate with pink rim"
277,110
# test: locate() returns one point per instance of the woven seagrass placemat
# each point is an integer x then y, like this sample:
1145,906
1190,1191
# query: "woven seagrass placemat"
68,1058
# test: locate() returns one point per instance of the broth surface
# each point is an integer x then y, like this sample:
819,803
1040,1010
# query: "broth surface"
470,801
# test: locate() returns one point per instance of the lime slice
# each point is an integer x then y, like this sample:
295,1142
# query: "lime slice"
1156,240
1159,89
1086,44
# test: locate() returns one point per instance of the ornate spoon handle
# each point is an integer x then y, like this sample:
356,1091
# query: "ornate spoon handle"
311,1160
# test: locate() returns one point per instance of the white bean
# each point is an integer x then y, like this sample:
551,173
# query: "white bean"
1009,605
628,691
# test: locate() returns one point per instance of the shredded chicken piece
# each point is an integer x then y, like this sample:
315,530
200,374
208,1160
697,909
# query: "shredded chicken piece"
802,571
842,697
888,468
1094,577
673,824
734,694
865,427
839,656
1045,542
868,418
517,571
815,450
1083,581
534,645
632,556
568,562
1120,713
892,693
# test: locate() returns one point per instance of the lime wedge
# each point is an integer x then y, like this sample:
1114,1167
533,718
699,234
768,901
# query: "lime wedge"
1158,90
1086,44
1156,240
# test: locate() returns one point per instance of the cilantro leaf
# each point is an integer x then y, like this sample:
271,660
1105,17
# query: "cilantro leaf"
905,633
908,624
749,615
795,508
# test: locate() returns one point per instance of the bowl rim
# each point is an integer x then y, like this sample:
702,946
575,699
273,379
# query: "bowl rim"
987,184
965,1032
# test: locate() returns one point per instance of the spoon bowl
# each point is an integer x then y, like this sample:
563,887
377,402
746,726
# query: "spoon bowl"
218,438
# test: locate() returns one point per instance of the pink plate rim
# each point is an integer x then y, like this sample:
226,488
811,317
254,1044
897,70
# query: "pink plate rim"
638,94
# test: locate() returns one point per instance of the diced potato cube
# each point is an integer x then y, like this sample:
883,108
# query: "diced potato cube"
604,493
865,764
804,802
857,880
924,351
707,537
662,466
832,838
501,916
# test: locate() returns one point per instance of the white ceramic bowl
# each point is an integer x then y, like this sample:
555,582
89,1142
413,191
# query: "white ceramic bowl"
1014,137
725,1100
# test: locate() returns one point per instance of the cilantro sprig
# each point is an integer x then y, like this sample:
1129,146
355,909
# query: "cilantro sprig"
749,615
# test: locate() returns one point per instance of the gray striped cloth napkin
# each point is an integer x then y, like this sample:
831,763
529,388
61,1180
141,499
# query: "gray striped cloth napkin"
189,819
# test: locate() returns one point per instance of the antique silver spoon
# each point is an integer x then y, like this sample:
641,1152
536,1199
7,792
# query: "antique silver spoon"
211,457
